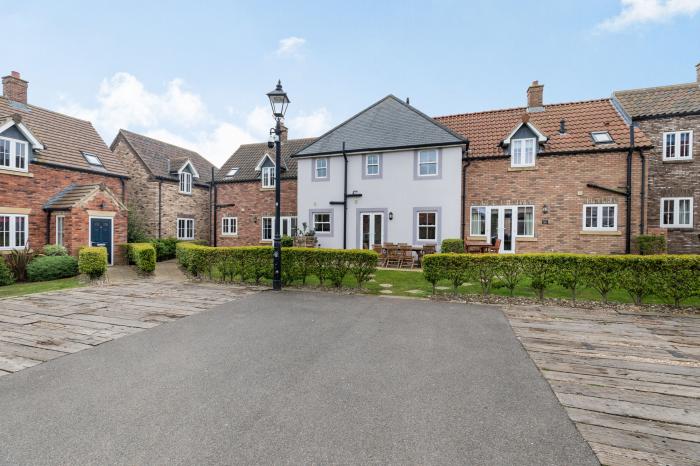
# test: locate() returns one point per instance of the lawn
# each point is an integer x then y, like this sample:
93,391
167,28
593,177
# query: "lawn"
38,287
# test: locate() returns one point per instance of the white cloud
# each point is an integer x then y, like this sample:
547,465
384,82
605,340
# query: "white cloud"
290,46
311,124
636,12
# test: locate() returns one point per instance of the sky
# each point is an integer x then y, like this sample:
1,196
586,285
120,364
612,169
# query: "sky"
196,73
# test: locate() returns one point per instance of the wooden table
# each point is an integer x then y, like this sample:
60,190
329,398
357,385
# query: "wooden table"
477,247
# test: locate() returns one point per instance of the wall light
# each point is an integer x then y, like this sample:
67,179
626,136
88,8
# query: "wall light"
391,215
545,209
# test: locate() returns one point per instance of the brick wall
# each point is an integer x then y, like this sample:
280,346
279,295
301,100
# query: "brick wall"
251,203
674,179
559,182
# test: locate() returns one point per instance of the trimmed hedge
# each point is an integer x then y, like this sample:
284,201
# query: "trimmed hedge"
52,268
253,263
673,278
54,250
143,255
452,245
6,277
165,248
92,261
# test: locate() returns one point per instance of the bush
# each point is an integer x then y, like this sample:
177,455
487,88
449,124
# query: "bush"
571,271
92,261
449,266
143,255
603,274
677,278
541,269
651,244
510,271
52,268
452,245
165,248
54,250
136,230
6,277
287,241
18,260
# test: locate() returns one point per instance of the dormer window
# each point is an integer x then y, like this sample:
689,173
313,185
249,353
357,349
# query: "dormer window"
13,154
268,177
92,159
185,183
522,152
601,137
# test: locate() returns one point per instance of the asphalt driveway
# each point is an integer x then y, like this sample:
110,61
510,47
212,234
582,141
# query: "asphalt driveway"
295,377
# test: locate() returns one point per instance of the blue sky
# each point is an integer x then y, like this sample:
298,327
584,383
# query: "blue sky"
196,75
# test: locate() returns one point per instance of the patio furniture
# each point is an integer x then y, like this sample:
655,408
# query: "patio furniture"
495,248
381,262
393,256
476,248
422,251
406,253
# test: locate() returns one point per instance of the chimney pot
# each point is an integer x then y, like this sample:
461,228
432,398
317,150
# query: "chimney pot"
697,72
15,88
534,95
15,74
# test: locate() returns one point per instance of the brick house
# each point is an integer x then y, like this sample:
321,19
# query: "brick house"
552,177
244,194
59,183
169,186
670,117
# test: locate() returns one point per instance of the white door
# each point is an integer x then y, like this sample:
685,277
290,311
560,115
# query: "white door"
372,229
289,226
502,225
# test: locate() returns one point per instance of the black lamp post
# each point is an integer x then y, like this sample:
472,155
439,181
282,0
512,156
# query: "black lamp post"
279,102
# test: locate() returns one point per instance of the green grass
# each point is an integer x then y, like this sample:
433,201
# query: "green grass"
19,289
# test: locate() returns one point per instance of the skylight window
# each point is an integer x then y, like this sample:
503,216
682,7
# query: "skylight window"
92,159
601,137
232,172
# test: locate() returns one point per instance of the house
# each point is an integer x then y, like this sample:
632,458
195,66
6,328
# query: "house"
388,174
169,186
59,183
556,177
244,194
670,117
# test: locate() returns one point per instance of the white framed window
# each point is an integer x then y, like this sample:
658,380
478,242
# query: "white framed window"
268,177
600,217
288,226
526,221
372,165
13,231
185,228
229,226
321,168
477,226
13,154
186,183
322,222
427,225
268,227
522,152
678,145
428,162
60,219
676,212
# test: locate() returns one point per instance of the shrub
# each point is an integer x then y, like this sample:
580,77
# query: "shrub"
571,271
677,278
92,261
603,274
18,260
449,266
486,268
287,241
452,245
143,255
637,277
510,271
6,277
651,244
54,250
541,269
165,248
136,231
52,268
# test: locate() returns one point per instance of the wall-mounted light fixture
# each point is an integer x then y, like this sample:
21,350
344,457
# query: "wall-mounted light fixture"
102,205
391,215
545,209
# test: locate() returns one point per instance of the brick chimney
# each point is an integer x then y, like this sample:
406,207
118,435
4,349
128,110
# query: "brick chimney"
697,72
534,96
14,87
284,133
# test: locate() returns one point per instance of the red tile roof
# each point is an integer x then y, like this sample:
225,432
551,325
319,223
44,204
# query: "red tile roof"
486,130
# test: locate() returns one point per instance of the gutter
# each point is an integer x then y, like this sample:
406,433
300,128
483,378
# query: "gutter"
463,210
345,199
81,170
628,197
384,149
160,208
642,193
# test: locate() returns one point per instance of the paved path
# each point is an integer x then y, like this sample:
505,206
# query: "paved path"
630,382
300,378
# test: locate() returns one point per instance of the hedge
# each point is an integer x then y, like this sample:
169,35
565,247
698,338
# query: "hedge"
52,268
54,250
253,263
165,248
92,261
6,277
143,255
651,244
673,278
452,245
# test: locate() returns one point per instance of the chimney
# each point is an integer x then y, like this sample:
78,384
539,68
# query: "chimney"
697,72
534,96
14,87
284,133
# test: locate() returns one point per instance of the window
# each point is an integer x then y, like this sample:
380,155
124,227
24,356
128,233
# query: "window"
372,167
185,228
232,172
322,222
677,212
288,224
321,168
268,177
522,152
427,163
92,159
13,231
601,137
478,222
13,154
427,226
678,145
229,226
267,228
600,217
59,229
526,221
186,183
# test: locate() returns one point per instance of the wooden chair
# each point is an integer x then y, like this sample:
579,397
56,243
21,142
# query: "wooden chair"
393,256
381,262
406,253
496,247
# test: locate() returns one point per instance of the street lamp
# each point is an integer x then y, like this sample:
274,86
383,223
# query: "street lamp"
279,102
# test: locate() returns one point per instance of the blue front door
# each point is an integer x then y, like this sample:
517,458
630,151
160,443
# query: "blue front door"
101,234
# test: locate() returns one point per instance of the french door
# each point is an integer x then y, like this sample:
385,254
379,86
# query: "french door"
372,229
502,225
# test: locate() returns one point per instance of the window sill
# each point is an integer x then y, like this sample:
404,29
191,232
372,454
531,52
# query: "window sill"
185,194
16,173
690,160
674,228
229,235
521,169
267,189
600,233
526,239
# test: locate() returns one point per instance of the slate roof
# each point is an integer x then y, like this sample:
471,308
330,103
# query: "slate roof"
247,156
64,138
486,130
72,195
164,159
388,124
664,100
